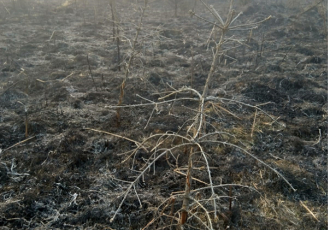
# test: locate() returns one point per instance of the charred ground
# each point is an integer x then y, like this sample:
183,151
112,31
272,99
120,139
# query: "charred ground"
66,177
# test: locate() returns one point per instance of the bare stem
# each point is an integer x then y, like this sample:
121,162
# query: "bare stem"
123,84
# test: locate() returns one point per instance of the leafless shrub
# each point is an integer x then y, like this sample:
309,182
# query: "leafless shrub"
190,142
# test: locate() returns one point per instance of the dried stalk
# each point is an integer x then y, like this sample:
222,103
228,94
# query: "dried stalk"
123,84
25,120
115,31
308,210
21,142
253,124
186,199
5,7
306,9
90,73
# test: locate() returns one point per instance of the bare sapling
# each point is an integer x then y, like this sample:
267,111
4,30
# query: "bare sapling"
115,31
175,6
190,142
130,60
224,27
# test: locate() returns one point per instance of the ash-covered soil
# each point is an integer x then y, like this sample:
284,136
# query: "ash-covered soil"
65,162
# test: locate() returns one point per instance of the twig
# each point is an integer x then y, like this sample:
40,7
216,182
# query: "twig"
138,178
227,111
206,212
137,196
186,201
193,178
90,73
309,8
116,135
212,98
21,142
319,139
152,112
51,36
256,158
11,86
68,76
5,7
168,201
251,24
308,210
254,122
149,104
224,185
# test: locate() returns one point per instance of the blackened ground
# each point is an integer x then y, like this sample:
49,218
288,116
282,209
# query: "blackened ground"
65,176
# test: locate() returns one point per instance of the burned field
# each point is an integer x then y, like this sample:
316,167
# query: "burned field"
119,115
